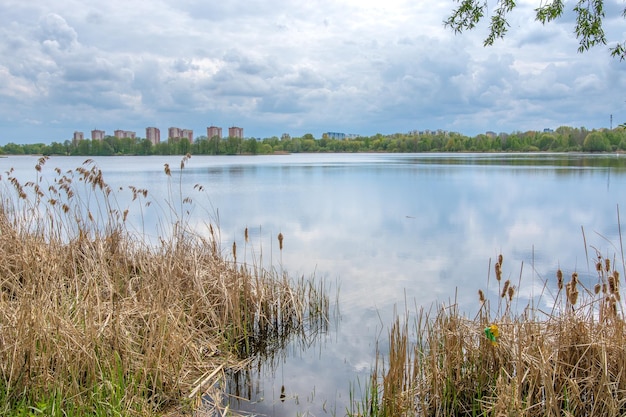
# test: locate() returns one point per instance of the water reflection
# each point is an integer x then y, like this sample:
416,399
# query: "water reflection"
391,231
245,387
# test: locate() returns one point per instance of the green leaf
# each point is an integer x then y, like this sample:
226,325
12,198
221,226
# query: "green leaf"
466,16
550,11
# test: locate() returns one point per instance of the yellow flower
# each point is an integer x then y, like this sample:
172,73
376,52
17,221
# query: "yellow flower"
495,330
492,332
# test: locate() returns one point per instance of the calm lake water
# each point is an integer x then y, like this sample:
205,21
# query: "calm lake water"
387,231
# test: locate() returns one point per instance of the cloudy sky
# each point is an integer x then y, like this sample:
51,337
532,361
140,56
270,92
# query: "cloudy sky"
278,66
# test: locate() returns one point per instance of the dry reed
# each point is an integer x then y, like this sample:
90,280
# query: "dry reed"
570,361
95,321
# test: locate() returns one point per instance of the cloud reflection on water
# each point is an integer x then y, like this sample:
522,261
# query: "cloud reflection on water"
389,230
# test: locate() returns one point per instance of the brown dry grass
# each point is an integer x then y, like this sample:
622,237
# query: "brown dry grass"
568,361
93,320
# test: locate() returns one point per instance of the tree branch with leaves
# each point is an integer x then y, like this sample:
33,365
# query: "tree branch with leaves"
589,18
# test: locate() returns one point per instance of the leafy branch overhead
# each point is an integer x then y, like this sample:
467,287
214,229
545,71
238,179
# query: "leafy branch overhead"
589,17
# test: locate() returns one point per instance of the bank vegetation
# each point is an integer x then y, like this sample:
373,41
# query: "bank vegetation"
563,139
562,355
95,320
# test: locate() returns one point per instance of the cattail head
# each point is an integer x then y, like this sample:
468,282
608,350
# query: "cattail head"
245,234
559,278
183,161
599,266
575,278
571,292
611,306
607,264
612,286
168,172
500,259
511,292
597,288
498,271
481,296
505,289
280,241
235,251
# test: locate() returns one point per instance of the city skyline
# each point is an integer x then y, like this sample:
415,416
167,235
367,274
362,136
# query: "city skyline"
153,134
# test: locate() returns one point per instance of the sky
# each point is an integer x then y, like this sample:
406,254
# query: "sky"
276,66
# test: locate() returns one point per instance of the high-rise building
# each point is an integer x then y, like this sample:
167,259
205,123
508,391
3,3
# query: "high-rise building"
97,134
187,133
121,134
153,134
78,136
173,133
176,133
214,132
235,132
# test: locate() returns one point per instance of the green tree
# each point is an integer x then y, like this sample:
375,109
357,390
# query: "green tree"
546,142
424,144
162,148
323,143
589,18
309,145
614,137
214,145
13,149
184,146
145,147
84,147
275,143
596,142
250,146
114,143
295,145
56,148
127,146
232,145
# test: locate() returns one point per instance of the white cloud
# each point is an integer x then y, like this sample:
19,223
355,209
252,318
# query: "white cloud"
358,66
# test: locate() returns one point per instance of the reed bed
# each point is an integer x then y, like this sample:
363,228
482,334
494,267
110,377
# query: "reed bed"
567,361
96,321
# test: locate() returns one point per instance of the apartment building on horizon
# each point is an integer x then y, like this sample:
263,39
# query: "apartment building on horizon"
235,132
97,134
121,134
176,133
153,134
214,132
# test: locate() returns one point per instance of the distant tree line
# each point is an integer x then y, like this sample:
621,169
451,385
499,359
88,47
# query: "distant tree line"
563,139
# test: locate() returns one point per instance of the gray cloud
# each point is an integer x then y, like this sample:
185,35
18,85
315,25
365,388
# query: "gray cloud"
54,30
355,66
